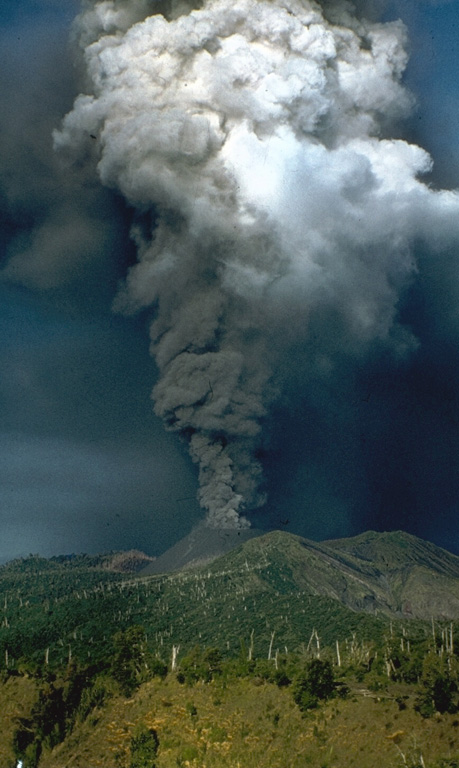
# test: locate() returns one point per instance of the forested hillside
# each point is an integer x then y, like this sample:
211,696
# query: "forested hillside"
278,648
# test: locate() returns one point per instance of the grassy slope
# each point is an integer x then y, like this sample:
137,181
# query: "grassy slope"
251,725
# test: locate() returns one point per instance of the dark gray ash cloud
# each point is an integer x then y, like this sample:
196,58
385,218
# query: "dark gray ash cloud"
260,136
250,172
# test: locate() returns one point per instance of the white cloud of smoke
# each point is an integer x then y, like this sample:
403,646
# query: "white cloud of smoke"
258,133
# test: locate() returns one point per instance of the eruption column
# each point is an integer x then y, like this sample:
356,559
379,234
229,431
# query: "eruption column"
252,138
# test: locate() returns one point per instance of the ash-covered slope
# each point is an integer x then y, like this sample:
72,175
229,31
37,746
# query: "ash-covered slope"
200,546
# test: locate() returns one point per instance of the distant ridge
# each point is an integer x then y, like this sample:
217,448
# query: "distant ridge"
383,575
275,582
390,574
388,549
393,574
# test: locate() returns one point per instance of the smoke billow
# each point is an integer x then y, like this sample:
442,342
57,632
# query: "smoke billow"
254,140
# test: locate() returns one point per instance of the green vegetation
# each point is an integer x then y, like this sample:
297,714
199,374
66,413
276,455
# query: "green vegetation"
243,715
53,611
144,747
316,683
243,657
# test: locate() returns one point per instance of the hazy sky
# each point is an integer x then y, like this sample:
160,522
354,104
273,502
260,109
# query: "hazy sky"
349,431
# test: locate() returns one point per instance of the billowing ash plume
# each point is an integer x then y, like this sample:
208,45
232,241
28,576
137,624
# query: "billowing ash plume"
253,139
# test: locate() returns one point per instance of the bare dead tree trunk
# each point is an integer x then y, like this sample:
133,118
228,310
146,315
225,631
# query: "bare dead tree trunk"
271,646
387,664
317,644
250,656
338,655
175,650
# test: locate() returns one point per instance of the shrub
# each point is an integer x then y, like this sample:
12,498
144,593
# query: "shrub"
23,736
32,755
144,747
158,668
93,696
191,709
187,756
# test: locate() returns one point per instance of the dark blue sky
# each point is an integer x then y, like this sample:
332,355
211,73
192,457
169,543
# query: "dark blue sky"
85,465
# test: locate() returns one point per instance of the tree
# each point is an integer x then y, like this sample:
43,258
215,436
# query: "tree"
48,715
23,737
439,686
316,683
128,663
200,664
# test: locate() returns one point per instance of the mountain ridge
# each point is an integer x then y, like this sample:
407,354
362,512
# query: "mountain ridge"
392,574
419,580
277,582
374,545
